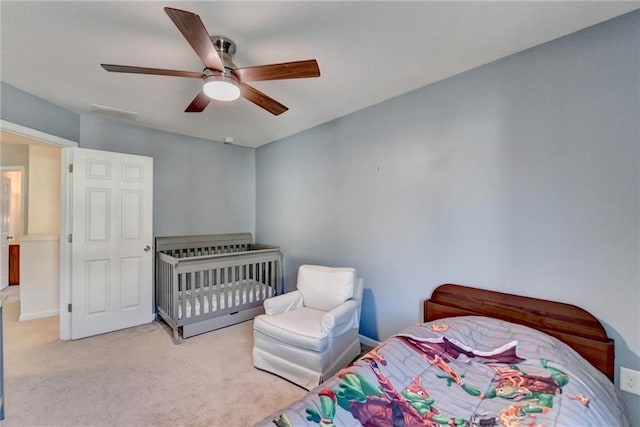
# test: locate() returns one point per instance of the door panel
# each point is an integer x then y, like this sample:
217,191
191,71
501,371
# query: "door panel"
131,278
132,220
112,223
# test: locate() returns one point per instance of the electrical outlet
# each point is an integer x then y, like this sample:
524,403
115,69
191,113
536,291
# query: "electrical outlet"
630,380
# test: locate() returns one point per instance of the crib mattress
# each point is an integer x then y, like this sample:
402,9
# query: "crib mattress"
209,299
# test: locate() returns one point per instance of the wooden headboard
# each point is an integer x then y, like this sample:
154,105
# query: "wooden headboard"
569,323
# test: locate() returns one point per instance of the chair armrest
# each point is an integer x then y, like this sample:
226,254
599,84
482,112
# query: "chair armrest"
341,319
282,303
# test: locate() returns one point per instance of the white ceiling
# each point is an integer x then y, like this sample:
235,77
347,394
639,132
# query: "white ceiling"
367,51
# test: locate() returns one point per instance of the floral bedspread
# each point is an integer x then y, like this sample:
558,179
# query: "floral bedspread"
463,371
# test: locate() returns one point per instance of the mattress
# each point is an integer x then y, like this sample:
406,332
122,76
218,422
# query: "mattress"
462,371
228,295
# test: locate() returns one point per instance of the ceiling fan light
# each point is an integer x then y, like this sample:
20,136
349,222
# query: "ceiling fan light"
221,88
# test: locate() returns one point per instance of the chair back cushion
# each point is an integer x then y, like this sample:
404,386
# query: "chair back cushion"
323,288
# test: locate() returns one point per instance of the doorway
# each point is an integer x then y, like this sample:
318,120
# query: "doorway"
12,209
43,215
31,216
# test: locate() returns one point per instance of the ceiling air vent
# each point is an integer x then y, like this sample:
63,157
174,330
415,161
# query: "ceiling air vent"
114,112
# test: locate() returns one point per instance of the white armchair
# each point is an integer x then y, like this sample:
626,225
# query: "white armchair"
311,333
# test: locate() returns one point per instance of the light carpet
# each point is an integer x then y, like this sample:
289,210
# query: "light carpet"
135,377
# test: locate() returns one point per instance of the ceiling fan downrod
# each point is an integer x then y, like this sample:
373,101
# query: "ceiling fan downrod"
226,49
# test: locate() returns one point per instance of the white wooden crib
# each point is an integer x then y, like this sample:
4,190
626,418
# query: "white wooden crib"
212,281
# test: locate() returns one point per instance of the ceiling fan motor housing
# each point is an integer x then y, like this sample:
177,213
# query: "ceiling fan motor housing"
226,49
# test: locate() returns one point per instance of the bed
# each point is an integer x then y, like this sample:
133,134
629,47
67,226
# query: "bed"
481,358
207,282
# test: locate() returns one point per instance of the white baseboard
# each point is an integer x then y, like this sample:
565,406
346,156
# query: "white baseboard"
368,341
38,315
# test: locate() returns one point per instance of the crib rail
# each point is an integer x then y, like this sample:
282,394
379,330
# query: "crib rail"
189,246
210,283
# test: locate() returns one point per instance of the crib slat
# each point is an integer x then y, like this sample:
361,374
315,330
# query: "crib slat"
225,289
234,287
244,287
266,280
240,287
267,285
200,290
174,293
259,280
166,289
192,296
164,295
247,284
182,295
251,281
220,288
259,287
272,281
230,288
209,287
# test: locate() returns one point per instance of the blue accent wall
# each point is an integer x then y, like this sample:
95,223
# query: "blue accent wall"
24,109
520,176
199,186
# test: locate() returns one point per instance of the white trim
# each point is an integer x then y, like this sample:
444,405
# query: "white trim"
39,237
65,215
65,246
368,341
20,130
38,315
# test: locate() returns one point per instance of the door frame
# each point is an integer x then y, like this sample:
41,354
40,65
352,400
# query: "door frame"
65,214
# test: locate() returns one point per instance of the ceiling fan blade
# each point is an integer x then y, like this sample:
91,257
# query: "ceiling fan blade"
262,100
155,71
286,70
199,103
196,34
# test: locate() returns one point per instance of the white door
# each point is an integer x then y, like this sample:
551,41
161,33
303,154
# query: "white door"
4,231
111,256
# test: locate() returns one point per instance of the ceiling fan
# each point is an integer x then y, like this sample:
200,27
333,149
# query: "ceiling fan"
222,79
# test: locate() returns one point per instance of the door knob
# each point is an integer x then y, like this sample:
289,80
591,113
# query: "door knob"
147,248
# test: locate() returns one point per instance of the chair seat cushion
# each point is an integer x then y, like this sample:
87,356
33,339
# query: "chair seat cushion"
301,327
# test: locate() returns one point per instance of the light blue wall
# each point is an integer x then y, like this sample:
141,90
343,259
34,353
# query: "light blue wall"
24,109
520,176
200,186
